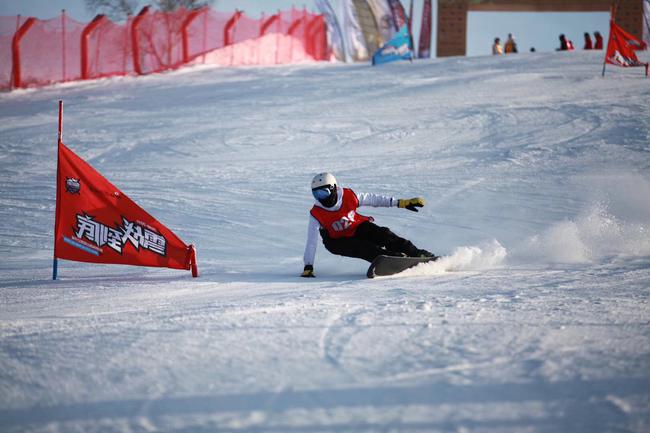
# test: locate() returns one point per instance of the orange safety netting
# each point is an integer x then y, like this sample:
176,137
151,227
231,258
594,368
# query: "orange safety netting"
8,27
38,52
50,52
106,49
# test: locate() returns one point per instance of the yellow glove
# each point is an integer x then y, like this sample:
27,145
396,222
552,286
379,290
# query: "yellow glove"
308,272
411,203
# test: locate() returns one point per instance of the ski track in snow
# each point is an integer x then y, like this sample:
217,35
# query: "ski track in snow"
536,318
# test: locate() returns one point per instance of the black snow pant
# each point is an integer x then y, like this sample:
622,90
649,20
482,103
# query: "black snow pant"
368,242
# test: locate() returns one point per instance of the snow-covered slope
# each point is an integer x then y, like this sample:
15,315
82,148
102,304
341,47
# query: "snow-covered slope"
536,175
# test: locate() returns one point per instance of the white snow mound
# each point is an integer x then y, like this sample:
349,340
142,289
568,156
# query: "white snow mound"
467,258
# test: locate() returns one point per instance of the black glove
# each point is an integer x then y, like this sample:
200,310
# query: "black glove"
308,272
411,203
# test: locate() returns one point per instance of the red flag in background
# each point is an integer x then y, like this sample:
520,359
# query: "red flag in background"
96,222
399,14
410,20
424,47
621,47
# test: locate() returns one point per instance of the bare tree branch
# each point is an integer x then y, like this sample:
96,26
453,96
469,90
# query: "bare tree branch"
170,5
118,10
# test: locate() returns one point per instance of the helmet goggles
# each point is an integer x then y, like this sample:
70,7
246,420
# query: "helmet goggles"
323,192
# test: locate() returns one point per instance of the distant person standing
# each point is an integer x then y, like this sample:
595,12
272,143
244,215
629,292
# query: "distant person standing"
510,46
569,44
565,44
599,41
496,48
588,44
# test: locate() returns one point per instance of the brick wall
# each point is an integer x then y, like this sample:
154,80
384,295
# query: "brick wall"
630,16
452,28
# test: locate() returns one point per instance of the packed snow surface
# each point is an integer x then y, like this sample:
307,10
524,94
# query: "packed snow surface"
536,172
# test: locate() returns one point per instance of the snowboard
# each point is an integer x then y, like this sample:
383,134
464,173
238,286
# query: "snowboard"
389,265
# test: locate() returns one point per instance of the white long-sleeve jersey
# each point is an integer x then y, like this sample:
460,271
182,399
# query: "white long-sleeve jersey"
365,199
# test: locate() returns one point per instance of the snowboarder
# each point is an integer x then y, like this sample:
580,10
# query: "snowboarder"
347,233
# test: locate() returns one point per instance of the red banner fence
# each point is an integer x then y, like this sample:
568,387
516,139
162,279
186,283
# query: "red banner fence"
37,52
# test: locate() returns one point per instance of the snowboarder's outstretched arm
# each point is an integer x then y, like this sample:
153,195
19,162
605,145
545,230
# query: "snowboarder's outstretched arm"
376,200
310,248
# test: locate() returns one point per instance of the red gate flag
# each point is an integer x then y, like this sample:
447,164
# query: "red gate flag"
621,46
95,222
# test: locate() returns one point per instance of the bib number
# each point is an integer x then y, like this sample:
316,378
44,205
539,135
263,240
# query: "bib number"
344,223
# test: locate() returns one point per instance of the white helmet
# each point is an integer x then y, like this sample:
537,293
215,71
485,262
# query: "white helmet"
324,189
323,179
